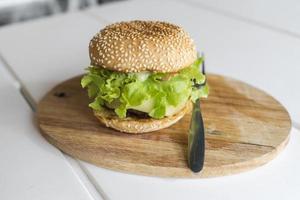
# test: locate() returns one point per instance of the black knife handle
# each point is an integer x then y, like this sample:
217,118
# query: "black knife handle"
196,143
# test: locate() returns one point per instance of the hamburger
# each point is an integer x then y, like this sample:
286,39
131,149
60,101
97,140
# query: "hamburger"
141,75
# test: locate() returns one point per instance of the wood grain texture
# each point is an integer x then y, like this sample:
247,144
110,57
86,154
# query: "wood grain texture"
245,128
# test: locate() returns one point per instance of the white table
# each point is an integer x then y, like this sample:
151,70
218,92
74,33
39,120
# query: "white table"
276,15
41,53
30,168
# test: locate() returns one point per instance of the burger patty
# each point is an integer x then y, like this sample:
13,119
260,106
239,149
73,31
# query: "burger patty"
133,113
140,114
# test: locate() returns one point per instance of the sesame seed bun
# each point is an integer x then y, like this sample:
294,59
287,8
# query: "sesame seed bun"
135,125
137,46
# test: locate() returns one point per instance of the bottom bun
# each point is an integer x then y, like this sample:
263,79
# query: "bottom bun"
137,125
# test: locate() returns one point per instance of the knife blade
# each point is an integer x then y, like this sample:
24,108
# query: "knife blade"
196,140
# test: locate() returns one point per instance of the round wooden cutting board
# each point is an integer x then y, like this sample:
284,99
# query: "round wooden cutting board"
244,126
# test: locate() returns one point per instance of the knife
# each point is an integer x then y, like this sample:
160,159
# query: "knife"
196,139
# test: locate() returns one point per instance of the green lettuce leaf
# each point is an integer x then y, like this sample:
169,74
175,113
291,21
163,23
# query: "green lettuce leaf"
123,91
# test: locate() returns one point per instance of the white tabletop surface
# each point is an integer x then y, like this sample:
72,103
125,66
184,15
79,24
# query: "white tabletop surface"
30,168
44,52
277,15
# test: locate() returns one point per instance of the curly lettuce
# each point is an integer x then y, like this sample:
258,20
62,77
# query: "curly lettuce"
157,94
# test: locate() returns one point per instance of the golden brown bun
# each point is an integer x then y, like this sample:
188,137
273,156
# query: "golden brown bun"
137,125
137,46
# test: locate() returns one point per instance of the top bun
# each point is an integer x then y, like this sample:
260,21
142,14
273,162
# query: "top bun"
137,46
